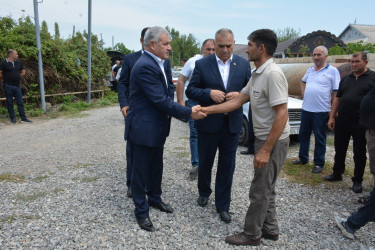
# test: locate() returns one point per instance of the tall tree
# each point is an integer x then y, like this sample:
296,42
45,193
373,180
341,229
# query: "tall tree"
287,33
183,46
122,48
57,31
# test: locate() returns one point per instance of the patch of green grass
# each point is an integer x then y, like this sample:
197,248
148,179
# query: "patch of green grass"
31,197
57,190
75,179
40,178
330,141
183,154
65,106
90,179
179,148
8,177
82,165
302,173
8,219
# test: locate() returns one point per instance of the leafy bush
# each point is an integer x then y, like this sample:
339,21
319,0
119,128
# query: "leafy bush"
64,60
352,48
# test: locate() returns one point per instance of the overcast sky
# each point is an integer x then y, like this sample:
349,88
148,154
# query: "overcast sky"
124,19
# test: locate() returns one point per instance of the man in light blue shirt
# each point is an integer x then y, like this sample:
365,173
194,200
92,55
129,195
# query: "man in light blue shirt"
319,86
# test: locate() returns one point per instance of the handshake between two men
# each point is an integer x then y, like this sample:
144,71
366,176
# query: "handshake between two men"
218,97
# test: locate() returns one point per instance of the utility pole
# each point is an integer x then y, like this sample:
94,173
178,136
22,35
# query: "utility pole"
40,63
89,57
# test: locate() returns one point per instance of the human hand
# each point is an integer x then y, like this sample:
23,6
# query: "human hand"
261,158
217,95
331,124
231,95
196,113
124,110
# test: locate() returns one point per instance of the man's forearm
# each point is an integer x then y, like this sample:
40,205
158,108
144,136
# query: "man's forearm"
334,107
228,106
180,88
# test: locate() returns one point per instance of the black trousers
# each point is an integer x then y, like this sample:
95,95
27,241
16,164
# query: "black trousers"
344,129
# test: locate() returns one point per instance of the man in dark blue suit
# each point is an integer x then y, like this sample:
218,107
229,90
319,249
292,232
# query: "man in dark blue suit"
147,124
123,98
216,79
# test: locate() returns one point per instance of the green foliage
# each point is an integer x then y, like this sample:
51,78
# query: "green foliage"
183,46
64,60
303,49
352,48
57,31
122,48
286,34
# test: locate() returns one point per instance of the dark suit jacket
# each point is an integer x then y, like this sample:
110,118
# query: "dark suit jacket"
206,76
123,83
151,104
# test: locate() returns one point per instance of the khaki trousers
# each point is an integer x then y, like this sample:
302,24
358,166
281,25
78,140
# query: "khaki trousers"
261,214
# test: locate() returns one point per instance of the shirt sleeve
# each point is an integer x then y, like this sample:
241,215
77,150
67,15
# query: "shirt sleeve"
335,79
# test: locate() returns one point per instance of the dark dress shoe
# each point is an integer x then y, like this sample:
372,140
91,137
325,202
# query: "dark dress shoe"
333,177
268,236
317,169
202,201
357,187
145,224
246,152
129,193
225,216
298,162
241,239
164,207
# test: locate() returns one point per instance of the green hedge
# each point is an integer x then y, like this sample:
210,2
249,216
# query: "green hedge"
64,60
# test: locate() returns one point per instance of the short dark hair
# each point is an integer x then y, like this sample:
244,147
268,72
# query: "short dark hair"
361,54
10,51
207,40
266,37
144,32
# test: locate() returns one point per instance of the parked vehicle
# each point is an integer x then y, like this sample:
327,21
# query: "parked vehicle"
175,75
294,111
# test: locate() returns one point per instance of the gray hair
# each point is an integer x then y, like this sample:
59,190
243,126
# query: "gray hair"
223,32
325,50
153,34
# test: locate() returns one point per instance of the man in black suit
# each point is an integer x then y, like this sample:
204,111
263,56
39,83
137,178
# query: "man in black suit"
123,98
147,124
218,78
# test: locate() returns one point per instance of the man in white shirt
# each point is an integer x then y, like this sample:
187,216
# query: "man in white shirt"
208,48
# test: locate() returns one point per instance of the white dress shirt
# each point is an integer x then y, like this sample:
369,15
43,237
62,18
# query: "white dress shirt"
224,69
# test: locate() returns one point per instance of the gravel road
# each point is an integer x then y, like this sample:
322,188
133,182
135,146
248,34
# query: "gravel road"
74,195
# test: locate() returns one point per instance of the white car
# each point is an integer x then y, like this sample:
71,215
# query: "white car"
294,111
175,75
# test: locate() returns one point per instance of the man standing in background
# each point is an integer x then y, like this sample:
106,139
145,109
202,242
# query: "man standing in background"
318,88
344,120
11,71
208,48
